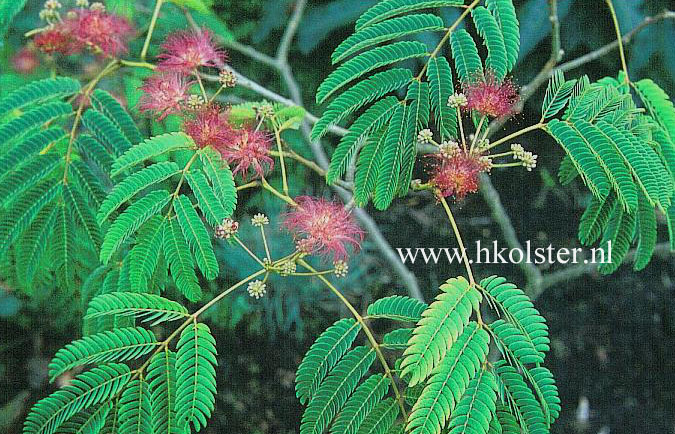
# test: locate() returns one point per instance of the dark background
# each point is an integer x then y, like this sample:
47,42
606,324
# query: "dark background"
612,336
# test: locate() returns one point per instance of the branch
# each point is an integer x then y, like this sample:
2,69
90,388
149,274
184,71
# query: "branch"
627,38
535,281
280,63
576,271
501,218
289,33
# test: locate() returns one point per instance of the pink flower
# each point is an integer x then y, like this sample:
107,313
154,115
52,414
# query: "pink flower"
457,175
186,51
57,40
25,61
248,150
100,30
96,29
209,127
163,94
490,97
323,227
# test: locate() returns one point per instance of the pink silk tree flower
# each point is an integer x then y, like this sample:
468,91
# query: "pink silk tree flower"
457,175
323,227
25,61
185,51
163,94
57,40
490,97
209,127
247,150
100,30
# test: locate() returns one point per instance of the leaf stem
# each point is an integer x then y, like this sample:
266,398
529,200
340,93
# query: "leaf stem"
78,115
201,85
253,255
366,330
478,129
619,39
267,248
286,198
284,180
151,29
461,128
447,35
458,236
518,133
192,318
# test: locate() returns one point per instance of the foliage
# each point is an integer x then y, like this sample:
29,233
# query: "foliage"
133,216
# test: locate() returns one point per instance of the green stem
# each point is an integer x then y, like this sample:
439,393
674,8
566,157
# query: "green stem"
514,135
476,136
284,181
253,255
151,29
267,248
445,37
366,330
458,236
78,115
502,165
201,85
619,39
286,198
461,128
192,318
134,64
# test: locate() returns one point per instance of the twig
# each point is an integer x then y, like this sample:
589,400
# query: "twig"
576,271
627,38
289,33
501,218
281,64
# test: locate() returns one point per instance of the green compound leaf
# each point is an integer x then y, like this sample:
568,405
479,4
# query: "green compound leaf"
151,148
370,121
181,264
336,388
477,407
197,236
441,324
497,61
195,375
441,87
386,31
130,220
465,54
390,8
134,184
323,355
519,311
118,345
359,95
162,380
397,308
366,62
360,404
86,390
149,308
449,380
38,92
505,14
134,411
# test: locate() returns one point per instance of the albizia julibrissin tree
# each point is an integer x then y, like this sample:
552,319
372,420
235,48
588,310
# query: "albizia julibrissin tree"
88,199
